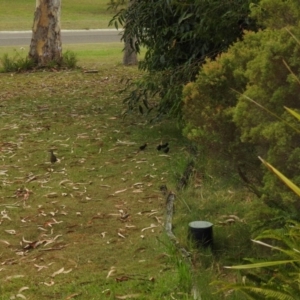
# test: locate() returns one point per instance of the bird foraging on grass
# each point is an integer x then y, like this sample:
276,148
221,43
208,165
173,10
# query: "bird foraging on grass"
53,158
166,150
162,146
143,147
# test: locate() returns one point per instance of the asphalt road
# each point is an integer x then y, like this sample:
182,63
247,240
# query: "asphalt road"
21,38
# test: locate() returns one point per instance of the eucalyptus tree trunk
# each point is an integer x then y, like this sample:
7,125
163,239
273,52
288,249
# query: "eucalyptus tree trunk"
46,43
130,55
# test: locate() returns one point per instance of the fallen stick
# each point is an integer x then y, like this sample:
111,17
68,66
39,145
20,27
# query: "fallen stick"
186,255
169,217
168,225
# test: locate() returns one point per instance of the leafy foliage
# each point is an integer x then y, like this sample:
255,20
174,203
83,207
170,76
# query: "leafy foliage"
16,63
276,14
209,103
280,277
178,36
281,280
274,86
262,66
69,60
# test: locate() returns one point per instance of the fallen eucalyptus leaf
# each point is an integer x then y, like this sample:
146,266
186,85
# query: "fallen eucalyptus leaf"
24,288
73,296
130,226
120,191
121,235
52,195
49,284
14,277
3,172
5,242
111,272
150,227
64,181
40,267
129,296
61,271
10,231
25,241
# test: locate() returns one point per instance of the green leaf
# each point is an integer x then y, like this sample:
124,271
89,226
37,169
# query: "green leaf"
261,264
293,113
184,17
288,182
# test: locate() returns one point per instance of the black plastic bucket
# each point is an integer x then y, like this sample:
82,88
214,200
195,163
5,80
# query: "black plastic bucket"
201,232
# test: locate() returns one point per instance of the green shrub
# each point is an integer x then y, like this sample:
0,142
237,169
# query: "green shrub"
17,63
276,278
208,108
69,60
230,128
273,86
276,14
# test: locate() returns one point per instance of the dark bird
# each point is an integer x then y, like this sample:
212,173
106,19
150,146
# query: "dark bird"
53,158
166,150
163,188
162,146
143,147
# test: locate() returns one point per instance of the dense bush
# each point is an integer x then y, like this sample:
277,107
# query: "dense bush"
276,14
230,127
208,109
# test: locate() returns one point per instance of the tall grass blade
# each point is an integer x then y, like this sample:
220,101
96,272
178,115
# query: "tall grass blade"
292,112
267,110
288,182
261,264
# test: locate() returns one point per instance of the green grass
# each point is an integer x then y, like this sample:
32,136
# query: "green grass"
75,14
96,181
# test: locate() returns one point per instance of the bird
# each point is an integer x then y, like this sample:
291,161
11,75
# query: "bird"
53,158
143,147
162,146
166,150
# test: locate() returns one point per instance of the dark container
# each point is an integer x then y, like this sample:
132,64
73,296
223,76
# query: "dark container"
202,233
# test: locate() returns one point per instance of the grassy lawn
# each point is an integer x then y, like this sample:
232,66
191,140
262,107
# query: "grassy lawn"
98,211
75,14
90,226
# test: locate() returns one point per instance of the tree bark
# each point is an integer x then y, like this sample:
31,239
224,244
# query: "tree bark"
130,55
46,43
